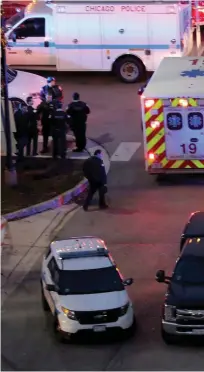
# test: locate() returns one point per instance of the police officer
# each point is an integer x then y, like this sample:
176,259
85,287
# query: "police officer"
94,171
21,121
46,112
59,129
78,111
51,89
33,118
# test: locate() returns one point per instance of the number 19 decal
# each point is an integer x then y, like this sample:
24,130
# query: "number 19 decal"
191,148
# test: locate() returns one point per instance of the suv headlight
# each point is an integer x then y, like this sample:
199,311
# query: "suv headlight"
124,309
169,313
69,313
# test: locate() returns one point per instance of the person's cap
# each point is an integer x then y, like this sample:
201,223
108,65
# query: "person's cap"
97,152
50,78
76,96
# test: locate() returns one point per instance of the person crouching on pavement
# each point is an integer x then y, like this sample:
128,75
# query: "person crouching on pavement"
59,130
21,121
32,127
78,112
46,111
94,171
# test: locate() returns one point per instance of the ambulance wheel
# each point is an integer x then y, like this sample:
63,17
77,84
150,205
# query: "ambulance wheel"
129,69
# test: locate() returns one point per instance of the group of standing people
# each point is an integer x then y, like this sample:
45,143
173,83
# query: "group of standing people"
55,122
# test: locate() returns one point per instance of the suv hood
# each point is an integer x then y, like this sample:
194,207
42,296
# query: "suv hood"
94,302
29,84
186,296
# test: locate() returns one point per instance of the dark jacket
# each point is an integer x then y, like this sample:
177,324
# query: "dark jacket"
94,170
33,117
60,120
55,92
21,121
46,111
78,110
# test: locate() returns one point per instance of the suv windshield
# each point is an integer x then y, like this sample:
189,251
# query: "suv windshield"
89,281
189,269
14,19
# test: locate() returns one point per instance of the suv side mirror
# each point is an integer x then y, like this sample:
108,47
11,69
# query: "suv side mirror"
50,287
160,276
127,282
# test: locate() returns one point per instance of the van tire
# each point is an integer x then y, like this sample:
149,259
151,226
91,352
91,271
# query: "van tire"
58,335
131,331
133,63
45,305
16,101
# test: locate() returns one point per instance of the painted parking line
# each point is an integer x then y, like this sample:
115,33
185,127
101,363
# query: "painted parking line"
125,151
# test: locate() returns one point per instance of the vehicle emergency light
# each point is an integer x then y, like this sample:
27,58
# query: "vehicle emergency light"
149,103
183,102
155,124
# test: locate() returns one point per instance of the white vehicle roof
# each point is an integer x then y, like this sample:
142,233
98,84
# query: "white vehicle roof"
81,253
177,77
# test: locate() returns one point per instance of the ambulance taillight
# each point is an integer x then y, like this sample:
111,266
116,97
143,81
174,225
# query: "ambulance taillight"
155,124
149,103
151,156
183,102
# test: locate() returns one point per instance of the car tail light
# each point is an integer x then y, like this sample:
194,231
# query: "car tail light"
149,103
183,102
155,124
151,156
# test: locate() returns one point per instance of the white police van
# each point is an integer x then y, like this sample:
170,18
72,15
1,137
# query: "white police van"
84,289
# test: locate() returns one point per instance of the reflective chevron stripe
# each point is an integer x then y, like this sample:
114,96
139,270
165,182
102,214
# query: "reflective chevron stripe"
155,138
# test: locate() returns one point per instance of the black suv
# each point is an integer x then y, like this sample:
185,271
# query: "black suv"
194,228
183,309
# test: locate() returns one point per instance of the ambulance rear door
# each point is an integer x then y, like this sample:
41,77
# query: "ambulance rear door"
184,133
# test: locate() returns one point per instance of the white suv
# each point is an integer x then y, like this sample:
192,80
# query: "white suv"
84,290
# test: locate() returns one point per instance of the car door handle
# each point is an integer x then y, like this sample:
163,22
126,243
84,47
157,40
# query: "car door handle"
46,44
75,41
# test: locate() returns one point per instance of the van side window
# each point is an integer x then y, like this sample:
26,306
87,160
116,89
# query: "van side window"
32,27
195,120
174,121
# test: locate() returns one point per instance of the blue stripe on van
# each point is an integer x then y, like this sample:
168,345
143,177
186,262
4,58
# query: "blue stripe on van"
94,46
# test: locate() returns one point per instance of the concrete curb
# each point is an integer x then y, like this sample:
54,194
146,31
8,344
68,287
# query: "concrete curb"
54,203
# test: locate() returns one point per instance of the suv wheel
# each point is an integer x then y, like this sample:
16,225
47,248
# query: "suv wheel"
131,331
44,301
168,338
57,330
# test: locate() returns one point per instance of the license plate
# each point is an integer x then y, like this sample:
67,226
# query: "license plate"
156,165
198,331
99,328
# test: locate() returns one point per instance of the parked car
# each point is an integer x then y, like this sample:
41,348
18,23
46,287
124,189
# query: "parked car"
23,84
183,308
84,290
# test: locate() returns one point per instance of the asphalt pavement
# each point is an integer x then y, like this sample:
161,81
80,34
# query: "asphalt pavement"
142,229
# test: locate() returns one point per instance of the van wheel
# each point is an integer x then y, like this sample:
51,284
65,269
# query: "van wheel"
168,338
131,331
16,102
45,305
129,69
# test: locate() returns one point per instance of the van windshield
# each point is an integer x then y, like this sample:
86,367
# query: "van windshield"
10,23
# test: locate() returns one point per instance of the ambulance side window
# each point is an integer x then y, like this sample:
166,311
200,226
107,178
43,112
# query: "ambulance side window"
32,27
195,120
174,121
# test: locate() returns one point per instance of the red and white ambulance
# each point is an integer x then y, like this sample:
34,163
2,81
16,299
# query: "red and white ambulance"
173,117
